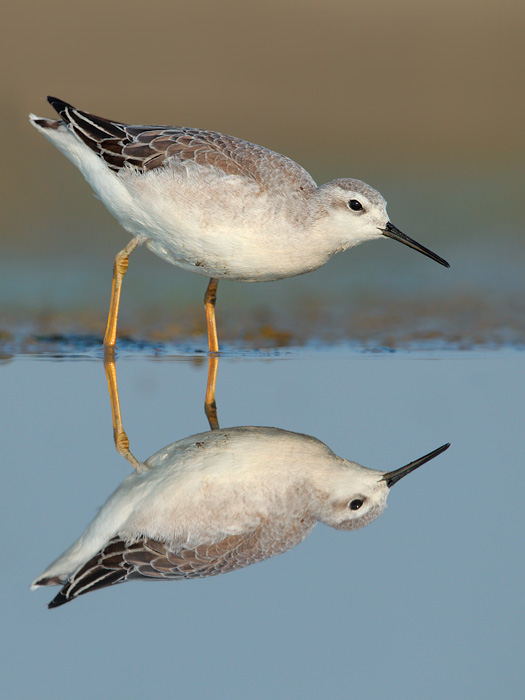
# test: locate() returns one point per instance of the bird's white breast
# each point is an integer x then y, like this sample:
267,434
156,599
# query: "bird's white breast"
217,225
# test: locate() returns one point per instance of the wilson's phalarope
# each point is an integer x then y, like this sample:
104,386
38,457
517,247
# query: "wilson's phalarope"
215,204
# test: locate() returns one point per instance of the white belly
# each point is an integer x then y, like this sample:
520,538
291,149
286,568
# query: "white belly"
215,225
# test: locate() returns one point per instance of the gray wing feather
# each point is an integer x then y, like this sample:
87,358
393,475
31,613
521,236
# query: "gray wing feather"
118,561
145,148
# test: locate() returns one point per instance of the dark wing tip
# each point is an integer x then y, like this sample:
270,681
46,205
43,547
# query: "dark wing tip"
59,105
58,600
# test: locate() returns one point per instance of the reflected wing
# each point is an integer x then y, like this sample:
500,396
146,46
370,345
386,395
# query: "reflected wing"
119,562
145,148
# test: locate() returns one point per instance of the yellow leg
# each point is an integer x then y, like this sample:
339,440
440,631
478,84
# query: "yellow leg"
119,434
210,407
209,304
119,270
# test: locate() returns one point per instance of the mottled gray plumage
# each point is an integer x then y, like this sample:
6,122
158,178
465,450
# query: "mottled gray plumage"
148,147
118,561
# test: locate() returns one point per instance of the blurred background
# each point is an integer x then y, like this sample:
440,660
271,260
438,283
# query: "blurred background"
422,100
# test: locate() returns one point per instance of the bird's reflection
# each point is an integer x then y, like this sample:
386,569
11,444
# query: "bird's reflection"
215,502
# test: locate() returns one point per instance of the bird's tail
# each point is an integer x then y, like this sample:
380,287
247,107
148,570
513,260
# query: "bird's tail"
61,108
45,124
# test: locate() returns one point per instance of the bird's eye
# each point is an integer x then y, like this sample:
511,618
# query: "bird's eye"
356,504
355,205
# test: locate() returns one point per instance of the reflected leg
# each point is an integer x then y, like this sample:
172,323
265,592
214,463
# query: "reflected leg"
119,270
209,304
210,407
119,434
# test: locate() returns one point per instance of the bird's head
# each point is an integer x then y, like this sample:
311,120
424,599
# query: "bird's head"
354,212
360,494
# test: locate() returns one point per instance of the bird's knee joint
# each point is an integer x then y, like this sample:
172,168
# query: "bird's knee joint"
210,298
121,441
120,265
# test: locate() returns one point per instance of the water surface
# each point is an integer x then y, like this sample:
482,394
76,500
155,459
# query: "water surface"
423,602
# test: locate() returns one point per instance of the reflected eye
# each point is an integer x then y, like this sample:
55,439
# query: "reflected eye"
355,205
355,504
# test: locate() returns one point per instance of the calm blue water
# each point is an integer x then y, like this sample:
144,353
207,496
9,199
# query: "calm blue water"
424,602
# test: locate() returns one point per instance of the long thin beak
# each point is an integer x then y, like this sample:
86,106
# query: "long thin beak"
392,232
392,477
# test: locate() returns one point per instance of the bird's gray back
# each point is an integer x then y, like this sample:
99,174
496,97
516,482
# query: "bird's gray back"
147,147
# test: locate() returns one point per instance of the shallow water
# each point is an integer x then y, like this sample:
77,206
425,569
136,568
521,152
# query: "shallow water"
424,602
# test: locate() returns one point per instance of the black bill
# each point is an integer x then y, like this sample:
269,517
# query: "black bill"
392,477
392,232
